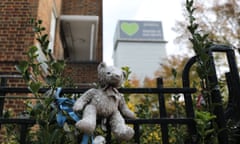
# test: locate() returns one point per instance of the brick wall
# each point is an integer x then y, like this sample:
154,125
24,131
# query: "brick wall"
15,31
16,34
82,74
15,38
84,7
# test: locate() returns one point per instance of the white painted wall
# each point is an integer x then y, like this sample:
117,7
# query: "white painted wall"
141,46
143,58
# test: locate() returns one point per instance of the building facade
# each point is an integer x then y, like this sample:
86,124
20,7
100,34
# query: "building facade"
139,45
74,28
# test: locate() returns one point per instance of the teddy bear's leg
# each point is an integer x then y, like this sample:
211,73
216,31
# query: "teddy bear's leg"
119,128
88,122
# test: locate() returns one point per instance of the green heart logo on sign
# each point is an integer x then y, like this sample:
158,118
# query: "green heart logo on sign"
129,28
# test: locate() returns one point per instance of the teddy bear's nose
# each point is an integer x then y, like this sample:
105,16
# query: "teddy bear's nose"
117,76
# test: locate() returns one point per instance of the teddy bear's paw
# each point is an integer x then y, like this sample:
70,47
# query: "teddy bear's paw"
99,140
125,134
85,126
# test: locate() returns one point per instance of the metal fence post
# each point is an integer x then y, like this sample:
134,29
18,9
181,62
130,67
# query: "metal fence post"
162,111
3,82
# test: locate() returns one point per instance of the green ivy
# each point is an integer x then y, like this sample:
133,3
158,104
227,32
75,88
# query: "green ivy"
43,110
205,118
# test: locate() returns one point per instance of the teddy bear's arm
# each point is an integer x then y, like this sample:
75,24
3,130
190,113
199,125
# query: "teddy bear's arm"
126,112
84,99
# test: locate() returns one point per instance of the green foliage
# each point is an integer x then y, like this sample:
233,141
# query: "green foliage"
200,44
147,109
43,109
207,133
31,69
206,125
11,130
127,73
177,132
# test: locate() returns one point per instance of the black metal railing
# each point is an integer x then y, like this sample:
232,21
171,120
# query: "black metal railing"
234,102
163,120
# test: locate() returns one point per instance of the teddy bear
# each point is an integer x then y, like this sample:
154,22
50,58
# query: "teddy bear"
105,102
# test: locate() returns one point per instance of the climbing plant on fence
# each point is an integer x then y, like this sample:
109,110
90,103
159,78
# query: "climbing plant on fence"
207,125
48,131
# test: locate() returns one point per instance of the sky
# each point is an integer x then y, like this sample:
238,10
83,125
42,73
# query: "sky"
166,11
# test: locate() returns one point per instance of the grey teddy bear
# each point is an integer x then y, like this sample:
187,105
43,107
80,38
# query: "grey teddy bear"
105,102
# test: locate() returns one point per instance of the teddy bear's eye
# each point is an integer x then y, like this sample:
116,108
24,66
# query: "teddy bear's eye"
108,73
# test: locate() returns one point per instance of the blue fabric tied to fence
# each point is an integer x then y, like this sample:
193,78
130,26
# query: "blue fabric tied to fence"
65,104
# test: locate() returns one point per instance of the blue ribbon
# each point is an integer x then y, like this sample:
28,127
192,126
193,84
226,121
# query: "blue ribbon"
65,104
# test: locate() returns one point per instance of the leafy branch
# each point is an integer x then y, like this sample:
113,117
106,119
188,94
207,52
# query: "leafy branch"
44,110
201,45
31,69
206,126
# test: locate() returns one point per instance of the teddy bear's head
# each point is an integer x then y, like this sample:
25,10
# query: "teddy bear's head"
110,76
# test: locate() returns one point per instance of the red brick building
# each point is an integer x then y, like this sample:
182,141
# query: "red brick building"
74,28
75,33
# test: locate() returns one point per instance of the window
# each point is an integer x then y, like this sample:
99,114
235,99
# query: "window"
79,37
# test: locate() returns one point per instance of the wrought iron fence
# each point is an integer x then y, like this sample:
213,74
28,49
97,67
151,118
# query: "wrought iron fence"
163,120
233,83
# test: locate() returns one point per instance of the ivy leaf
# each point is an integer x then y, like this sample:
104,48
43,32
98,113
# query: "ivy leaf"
208,132
58,66
51,80
32,21
22,67
34,87
44,37
127,71
36,29
36,69
39,21
32,52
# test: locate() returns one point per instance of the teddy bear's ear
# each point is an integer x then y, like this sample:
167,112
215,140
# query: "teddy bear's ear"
101,65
